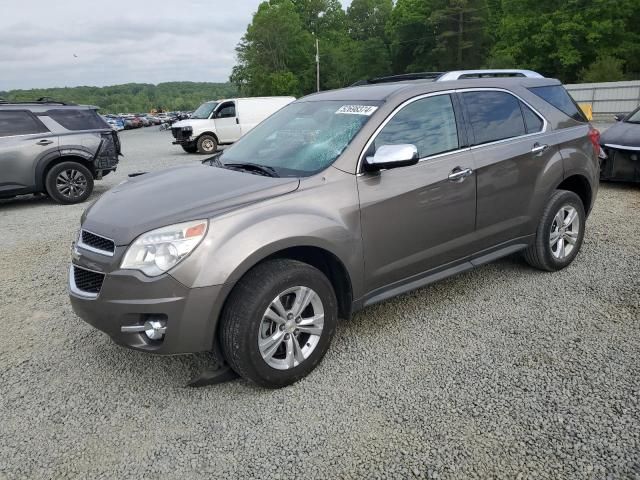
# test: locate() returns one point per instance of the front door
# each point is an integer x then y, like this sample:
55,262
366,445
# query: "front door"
420,217
227,124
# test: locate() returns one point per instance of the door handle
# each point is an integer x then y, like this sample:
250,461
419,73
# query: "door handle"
538,148
459,174
44,142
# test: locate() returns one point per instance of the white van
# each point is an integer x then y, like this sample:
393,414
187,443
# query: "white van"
223,121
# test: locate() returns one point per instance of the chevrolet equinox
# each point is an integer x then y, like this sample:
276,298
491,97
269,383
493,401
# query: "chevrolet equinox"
339,200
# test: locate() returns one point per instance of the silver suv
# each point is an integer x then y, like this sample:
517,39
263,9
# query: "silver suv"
54,148
340,200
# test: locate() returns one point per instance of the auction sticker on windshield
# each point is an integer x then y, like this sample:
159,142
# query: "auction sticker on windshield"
357,109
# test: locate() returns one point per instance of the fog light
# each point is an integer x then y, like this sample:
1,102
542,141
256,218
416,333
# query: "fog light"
155,329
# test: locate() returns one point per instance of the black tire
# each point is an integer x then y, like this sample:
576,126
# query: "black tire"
69,182
207,144
541,254
190,148
242,321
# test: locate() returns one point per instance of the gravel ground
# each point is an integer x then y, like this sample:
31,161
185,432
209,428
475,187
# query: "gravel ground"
502,372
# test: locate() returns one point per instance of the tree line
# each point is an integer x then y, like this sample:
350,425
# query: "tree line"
133,97
573,40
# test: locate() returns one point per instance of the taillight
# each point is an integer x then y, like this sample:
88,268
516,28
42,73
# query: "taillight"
594,136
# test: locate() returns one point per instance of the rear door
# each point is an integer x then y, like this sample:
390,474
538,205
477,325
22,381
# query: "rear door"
227,123
416,218
24,139
511,152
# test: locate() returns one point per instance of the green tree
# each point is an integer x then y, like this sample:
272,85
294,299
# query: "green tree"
367,19
460,28
560,39
134,97
274,52
604,69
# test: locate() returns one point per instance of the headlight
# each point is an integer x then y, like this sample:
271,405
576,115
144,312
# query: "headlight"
157,251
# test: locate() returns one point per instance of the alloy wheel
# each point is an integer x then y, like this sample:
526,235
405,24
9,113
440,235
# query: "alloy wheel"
291,328
71,183
565,231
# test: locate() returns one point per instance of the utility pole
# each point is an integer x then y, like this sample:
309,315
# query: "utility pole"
317,66
460,36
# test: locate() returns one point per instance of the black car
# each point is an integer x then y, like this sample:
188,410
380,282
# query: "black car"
621,144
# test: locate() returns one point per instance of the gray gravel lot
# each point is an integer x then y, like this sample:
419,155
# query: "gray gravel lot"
503,372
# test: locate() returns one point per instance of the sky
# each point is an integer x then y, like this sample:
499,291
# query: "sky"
45,43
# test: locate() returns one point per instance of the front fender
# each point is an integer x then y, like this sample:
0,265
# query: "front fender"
228,253
323,213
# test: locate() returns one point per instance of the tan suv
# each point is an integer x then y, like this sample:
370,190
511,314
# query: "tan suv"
340,200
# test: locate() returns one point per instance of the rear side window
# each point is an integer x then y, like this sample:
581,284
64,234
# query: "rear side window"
19,122
494,116
428,123
78,119
557,96
531,120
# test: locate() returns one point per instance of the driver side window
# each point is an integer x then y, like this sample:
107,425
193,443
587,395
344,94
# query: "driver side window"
428,123
226,110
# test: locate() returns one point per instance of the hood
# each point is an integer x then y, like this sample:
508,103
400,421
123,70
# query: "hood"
622,133
195,123
175,195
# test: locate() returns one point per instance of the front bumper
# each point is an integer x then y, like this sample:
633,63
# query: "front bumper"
182,135
128,297
621,163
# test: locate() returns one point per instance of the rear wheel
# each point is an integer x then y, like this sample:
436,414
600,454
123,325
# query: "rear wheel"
207,144
278,322
69,182
560,233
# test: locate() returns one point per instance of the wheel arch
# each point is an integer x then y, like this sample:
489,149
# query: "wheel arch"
213,134
47,163
580,185
319,257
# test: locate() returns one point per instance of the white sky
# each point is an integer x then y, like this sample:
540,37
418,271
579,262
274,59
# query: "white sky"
48,43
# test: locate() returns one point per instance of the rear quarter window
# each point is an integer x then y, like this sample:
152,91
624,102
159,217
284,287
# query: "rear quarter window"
557,96
78,119
532,121
20,122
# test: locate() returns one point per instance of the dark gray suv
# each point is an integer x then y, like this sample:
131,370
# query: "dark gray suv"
340,200
54,148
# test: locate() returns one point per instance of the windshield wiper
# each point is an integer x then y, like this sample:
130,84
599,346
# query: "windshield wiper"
254,167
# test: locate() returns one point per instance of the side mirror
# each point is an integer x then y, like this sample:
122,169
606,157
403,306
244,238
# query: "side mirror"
393,156
618,117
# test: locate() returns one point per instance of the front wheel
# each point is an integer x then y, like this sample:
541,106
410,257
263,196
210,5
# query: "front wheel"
278,322
560,233
207,144
69,182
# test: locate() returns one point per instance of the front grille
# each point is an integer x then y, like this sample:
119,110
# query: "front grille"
88,239
181,133
87,281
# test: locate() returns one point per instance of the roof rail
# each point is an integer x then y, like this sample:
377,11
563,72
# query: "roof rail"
43,100
463,74
399,78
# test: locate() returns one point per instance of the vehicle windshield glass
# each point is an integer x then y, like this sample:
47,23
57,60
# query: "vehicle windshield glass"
303,138
635,117
204,110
